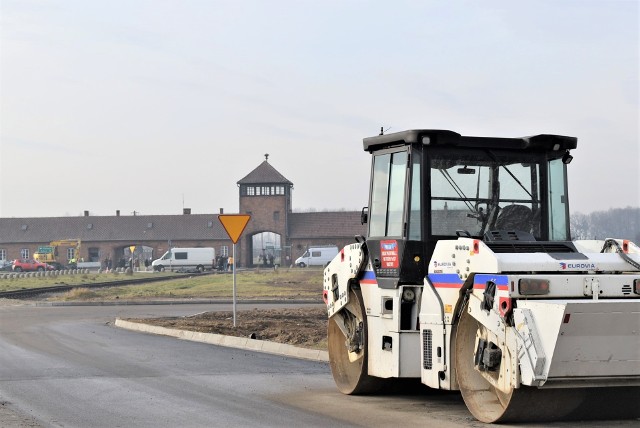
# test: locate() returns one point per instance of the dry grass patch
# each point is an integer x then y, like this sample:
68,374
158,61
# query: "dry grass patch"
80,293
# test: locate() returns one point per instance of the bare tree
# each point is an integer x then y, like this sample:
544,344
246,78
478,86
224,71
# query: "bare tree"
621,223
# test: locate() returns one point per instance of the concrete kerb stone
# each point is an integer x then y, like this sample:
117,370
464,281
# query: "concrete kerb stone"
229,341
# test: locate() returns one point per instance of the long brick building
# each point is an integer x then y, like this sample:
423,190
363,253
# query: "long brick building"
274,232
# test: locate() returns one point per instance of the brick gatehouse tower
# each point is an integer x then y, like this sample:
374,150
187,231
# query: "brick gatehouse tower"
265,194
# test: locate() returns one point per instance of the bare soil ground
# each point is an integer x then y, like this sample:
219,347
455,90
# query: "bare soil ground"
305,327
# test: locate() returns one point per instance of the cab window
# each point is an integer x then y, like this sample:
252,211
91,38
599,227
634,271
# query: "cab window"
387,194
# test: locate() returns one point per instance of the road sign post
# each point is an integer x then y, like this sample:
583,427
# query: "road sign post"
234,225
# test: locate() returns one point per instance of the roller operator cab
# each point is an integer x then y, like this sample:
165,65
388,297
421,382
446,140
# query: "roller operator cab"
468,280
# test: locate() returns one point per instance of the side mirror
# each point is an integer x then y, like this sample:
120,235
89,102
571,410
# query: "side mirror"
364,215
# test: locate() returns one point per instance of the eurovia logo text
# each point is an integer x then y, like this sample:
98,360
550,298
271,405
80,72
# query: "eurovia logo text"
582,266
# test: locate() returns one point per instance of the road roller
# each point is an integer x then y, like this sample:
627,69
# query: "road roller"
468,280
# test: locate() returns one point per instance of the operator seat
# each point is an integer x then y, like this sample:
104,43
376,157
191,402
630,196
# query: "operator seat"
515,217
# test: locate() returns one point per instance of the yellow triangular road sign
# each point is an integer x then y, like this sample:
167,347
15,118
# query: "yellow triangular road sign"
234,224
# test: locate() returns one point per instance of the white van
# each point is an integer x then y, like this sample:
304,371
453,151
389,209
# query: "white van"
186,258
317,256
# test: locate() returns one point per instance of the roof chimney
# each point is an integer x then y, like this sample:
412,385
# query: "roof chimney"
117,213
221,210
86,213
186,211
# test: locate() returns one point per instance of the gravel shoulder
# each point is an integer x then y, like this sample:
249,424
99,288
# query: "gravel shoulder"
10,418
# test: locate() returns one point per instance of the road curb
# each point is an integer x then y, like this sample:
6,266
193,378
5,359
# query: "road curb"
172,302
229,341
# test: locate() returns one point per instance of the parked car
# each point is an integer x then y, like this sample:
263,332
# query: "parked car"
30,265
186,258
317,256
5,265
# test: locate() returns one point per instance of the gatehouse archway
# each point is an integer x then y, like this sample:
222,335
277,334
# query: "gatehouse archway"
266,249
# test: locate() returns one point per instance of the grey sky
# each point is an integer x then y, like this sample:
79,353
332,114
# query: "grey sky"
133,105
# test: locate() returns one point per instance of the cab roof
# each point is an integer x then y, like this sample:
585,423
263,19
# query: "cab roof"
441,137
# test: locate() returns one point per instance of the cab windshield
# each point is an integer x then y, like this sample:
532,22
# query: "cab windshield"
476,191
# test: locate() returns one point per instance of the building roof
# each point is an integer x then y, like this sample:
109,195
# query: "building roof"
193,227
112,228
264,174
336,224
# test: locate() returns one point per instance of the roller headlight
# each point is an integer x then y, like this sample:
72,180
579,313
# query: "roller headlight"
533,287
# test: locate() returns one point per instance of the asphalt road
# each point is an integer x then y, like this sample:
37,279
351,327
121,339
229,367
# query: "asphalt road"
70,367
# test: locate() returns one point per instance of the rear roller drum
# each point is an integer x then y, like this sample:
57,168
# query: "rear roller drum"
479,387
348,353
489,404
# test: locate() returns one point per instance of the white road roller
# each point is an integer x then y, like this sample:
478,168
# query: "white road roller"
468,280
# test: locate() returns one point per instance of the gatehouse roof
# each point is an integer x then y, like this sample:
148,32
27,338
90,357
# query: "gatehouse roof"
264,174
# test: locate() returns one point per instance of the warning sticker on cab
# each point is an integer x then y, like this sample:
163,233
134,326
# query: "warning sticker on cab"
389,254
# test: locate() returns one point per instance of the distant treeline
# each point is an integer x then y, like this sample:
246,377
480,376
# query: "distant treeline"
621,223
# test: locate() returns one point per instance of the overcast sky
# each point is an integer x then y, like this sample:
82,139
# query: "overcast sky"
140,105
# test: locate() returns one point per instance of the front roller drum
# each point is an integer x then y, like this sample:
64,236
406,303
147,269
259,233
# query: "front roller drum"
530,404
348,352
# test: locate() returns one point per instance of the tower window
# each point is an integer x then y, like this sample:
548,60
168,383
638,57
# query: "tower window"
262,190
